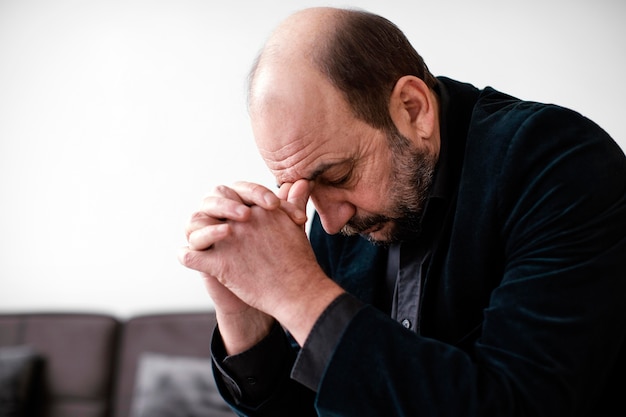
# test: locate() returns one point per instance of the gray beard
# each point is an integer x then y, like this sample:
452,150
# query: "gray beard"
411,178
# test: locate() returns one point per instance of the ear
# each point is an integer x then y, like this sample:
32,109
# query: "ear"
414,109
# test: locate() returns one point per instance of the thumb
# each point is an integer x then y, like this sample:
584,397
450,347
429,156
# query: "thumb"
294,198
299,194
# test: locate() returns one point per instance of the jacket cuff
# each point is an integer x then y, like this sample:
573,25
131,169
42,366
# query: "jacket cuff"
252,376
320,344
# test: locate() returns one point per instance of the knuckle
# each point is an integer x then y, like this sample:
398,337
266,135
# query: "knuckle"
250,188
222,190
218,191
187,258
195,260
198,216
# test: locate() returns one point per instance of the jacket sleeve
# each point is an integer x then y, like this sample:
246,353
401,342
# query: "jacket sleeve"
257,383
555,324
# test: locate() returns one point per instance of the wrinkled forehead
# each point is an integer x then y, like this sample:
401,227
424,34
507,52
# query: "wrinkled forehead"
292,154
297,124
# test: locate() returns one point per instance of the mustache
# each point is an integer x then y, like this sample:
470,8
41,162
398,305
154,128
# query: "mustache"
406,227
358,225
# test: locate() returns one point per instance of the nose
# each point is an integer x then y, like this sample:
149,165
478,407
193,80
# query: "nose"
334,211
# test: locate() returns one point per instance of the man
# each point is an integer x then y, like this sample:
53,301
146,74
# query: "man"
496,283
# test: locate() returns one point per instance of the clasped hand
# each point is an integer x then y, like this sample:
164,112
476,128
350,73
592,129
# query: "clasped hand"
250,246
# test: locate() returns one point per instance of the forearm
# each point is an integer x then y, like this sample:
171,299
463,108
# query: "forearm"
380,368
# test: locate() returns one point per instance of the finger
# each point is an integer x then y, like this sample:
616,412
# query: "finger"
193,259
299,193
256,195
204,238
210,215
197,221
222,208
283,191
225,192
294,200
296,214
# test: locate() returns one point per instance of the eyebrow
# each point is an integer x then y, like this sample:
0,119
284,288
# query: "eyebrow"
323,168
319,171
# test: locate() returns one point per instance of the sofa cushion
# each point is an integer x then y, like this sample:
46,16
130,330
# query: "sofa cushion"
178,334
78,352
176,386
17,380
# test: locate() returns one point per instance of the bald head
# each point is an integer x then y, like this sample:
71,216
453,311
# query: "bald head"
291,49
300,35
360,54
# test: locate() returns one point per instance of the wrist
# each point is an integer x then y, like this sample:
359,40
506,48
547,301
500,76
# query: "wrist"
242,330
299,313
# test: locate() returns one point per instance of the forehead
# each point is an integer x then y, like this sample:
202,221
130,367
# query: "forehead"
301,127
304,157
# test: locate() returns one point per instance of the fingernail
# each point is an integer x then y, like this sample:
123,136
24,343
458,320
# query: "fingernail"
242,211
300,215
270,199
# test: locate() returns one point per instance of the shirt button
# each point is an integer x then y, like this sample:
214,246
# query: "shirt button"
406,323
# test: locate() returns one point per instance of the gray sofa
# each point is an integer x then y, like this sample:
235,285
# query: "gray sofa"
94,365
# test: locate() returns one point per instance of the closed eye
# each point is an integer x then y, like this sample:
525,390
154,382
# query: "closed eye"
340,181
339,176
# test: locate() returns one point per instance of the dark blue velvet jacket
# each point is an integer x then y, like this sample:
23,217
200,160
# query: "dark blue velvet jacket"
524,301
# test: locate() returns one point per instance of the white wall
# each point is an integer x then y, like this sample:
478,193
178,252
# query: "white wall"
117,116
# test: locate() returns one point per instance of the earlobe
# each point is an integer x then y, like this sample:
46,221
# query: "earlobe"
413,108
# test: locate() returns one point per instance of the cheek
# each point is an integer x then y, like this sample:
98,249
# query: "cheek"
374,188
372,198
